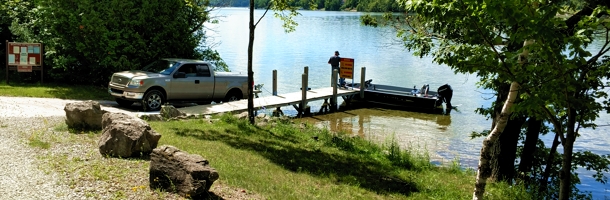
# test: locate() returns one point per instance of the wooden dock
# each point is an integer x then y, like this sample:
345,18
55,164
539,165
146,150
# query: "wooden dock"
294,99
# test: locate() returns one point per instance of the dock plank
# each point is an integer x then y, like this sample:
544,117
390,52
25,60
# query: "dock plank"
267,102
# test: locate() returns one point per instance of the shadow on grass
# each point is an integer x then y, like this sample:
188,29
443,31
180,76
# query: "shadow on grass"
344,168
135,157
80,92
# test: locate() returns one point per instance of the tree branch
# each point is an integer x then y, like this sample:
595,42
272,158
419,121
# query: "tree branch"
587,10
266,10
602,50
555,122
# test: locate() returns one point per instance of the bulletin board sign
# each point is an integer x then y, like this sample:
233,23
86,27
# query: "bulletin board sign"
347,68
24,57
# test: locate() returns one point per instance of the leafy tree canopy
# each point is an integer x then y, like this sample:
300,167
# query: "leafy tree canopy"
86,41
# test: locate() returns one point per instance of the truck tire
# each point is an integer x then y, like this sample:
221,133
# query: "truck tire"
153,100
233,96
123,102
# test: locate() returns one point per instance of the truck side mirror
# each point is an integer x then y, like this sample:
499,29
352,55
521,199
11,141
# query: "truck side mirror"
180,75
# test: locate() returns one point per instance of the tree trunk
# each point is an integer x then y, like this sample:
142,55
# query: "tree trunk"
250,72
549,164
529,147
483,171
565,175
503,169
502,94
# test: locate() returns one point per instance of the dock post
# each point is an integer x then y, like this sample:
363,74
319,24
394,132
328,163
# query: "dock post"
304,95
362,85
332,72
333,99
274,82
306,70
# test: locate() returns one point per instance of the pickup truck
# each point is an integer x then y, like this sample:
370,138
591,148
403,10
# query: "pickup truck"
176,80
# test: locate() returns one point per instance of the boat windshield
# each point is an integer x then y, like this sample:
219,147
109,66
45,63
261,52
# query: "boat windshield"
165,67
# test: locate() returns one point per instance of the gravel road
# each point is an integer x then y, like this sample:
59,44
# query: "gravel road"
20,174
49,107
20,177
25,171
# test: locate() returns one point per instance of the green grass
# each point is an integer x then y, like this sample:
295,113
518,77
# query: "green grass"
287,162
34,141
78,92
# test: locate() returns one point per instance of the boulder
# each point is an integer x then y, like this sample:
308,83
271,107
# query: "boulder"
84,114
126,136
169,112
188,175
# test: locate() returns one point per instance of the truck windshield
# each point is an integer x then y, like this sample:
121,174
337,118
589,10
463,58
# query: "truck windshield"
165,67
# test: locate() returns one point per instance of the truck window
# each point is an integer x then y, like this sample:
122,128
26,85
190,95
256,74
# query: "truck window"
161,66
203,70
188,69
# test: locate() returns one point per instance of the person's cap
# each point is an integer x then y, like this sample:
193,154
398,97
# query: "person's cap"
337,52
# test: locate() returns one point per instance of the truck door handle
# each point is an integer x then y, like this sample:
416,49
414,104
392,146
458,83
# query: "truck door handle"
196,81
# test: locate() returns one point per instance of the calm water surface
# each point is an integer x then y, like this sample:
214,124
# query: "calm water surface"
320,33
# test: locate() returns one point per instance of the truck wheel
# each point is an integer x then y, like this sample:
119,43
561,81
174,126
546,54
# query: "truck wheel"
123,102
153,100
233,96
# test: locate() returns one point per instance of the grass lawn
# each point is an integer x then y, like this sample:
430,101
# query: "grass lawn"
51,90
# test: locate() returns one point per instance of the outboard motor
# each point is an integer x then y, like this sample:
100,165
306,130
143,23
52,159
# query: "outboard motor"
445,92
425,89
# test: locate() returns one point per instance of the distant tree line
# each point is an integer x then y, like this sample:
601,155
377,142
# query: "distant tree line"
342,5
329,5
85,41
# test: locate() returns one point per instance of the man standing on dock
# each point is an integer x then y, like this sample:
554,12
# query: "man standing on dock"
334,63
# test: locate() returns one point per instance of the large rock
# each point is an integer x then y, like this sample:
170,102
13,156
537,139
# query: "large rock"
126,136
85,114
169,111
174,170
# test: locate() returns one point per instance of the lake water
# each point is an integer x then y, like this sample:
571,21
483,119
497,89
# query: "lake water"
320,33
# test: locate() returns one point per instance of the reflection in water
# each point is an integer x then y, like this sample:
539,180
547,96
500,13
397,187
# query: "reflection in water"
421,132
345,120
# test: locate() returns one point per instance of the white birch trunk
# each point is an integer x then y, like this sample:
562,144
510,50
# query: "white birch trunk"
483,170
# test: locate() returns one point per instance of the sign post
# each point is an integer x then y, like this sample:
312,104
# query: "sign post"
24,57
347,69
